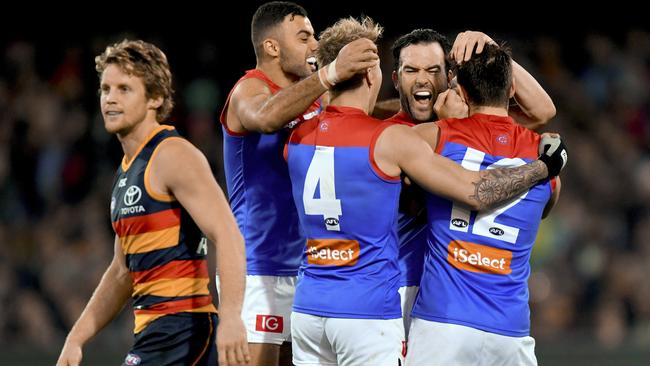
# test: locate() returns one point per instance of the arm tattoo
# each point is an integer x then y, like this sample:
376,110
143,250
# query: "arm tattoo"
498,185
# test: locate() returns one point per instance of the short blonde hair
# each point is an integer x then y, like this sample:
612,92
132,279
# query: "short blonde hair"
341,33
145,61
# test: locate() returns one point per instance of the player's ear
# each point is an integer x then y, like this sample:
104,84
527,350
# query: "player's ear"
154,103
511,92
374,76
462,92
271,47
394,77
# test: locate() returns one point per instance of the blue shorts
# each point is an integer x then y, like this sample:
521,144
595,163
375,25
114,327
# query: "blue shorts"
176,339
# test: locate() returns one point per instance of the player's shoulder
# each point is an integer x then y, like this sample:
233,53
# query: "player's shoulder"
524,134
359,121
176,148
401,118
250,87
305,131
456,122
396,133
426,126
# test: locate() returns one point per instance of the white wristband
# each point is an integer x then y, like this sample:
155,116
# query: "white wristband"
322,76
332,77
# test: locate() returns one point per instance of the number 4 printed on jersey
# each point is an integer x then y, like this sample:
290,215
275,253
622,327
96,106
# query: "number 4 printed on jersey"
321,175
485,223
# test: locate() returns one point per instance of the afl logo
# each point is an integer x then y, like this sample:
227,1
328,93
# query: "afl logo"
496,231
112,204
459,222
502,139
132,359
132,195
331,221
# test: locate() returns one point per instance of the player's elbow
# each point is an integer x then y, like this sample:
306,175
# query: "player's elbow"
547,113
261,123
266,124
543,115
238,239
551,111
471,201
475,205
121,274
231,238
267,128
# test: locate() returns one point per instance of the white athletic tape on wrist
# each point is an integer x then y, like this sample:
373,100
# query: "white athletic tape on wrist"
322,76
332,77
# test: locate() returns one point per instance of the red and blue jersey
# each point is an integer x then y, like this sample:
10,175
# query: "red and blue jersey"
164,249
348,210
411,228
477,263
259,190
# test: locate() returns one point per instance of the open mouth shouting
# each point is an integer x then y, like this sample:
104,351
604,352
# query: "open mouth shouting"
421,102
311,60
423,97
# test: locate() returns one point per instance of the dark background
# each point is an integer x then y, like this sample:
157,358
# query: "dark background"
590,294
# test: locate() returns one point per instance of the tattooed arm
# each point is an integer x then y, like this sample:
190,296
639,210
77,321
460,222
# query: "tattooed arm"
399,148
498,185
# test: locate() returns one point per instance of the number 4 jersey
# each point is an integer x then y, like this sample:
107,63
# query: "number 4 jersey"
477,264
348,210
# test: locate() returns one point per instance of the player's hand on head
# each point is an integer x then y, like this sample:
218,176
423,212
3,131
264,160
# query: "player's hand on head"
553,153
356,57
232,344
450,105
465,43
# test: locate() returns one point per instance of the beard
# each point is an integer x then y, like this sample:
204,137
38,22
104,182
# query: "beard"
416,113
300,69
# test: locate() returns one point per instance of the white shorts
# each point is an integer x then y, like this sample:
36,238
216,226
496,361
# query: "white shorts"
407,296
434,343
266,311
320,341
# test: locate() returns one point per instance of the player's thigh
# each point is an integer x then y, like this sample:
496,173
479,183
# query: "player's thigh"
176,338
264,354
407,297
359,342
266,310
310,345
451,344
509,351
433,343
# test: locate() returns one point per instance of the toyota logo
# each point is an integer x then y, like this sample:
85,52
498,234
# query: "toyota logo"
132,195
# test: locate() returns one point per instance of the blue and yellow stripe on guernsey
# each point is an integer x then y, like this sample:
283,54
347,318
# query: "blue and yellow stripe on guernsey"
166,277
160,243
